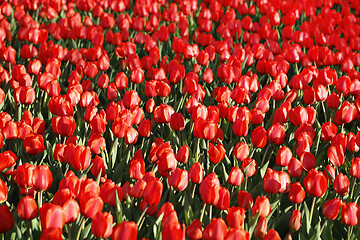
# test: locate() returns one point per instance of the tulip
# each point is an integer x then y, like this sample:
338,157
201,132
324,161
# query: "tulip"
223,202
179,179
245,200
7,219
235,217
90,204
183,154
153,192
78,156
8,159
272,234
71,210
27,208
52,216
296,193
196,173
271,181
236,176
137,169
349,212
51,233
295,220
177,122
241,151
209,189
261,228
328,131
3,191
315,183
216,153
236,233
283,156
259,137
355,167
24,175
194,230
276,134
125,230
262,205
42,178
341,184
101,225
217,229
331,208
173,231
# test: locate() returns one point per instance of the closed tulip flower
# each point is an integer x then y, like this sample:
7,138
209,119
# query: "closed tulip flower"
223,202
101,225
153,192
296,193
3,191
341,184
173,231
261,228
236,176
315,183
295,220
276,134
196,173
262,205
125,230
183,154
259,137
179,179
217,229
42,178
209,189
331,208
194,230
27,208
235,217
7,218
177,122
355,167
271,181
216,153
349,213
52,216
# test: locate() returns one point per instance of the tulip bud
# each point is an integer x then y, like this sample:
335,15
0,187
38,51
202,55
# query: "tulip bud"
196,173
217,229
262,205
315,183
331,208
261,228
235,217
209,189
272,235
236,176
349,213
125,230
341,184
194,230
7,219
245,200
295,220
101,225
271,181
27,208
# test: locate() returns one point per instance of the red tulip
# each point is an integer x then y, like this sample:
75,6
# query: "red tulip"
245,200
3,191
283,156
235,217
153,192
272,234
341,184
194,230
183,154
296,193
8,159
236,233
328,131
7,217
125,230
261,228
177,122
51,216
271,181
217,229
27,208
216,153
336,155
90,204
349,212
51,233
179,179
259,137
236,176
196,173
315,183
354,169
209,189
241,151
331,208
101,225
71,210
24,175
79,157
262,205
295,220
173,231
276,134
223,202
42,178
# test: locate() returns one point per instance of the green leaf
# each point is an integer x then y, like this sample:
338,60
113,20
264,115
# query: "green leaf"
307,218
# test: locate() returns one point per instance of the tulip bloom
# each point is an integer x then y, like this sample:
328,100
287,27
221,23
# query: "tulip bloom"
3,191
259,137
153,192
296,193
236,176
42,178
235,217
262,205
245,200
295,220
271,181
276,134
90,204
331,208
174,231
315,183
194,230
209,189
261,228
52,216
179,179
125,230
217,229
196,173
27,208
349,213
341,184
7,219
101,225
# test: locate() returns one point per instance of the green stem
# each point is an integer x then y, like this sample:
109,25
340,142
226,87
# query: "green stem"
40,196
30,230
348,233
197,150
352,189
323,107
142,216
312,209
68,230
193,191
202,212
263,159
82,224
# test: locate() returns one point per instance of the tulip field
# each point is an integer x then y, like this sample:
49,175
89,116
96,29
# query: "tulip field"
186,119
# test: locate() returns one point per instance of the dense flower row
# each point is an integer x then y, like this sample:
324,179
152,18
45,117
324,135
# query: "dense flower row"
179,119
